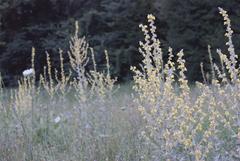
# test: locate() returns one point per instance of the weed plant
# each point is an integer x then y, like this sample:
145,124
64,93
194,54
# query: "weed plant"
199,124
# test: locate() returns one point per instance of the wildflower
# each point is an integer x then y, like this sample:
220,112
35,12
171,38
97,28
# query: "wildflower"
57,119
28,72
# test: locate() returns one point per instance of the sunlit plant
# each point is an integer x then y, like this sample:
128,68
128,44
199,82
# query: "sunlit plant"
185,124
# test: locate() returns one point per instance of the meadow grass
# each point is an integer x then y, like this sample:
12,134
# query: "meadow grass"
60,128
157,117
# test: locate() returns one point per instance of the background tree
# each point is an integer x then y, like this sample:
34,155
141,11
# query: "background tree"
193,25
113,25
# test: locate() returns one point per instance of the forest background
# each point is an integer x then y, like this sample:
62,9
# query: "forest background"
111,25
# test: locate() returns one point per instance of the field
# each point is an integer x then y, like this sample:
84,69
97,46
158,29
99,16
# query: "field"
157,117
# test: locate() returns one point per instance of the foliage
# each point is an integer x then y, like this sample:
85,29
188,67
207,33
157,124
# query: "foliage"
105,23
111,25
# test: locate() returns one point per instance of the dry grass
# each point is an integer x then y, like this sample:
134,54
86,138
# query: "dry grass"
88,118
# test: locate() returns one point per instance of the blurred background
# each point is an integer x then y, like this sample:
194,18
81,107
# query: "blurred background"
47,25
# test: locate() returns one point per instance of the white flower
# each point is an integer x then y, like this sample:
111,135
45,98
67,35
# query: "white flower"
57,119
28,72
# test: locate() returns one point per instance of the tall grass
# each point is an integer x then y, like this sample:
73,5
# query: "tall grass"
89,118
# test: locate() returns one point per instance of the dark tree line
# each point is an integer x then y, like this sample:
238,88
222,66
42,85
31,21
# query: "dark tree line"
112,25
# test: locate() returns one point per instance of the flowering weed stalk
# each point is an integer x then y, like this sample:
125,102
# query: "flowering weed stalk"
187,125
